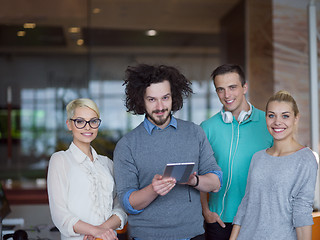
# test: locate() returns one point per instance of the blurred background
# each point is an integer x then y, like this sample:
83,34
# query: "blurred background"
54,51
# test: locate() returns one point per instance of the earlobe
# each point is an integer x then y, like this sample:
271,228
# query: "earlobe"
296,121
68,125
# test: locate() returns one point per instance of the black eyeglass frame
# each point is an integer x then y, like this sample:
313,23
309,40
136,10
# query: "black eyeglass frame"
87,122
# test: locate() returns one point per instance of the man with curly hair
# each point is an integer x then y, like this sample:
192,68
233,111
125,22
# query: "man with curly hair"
160,208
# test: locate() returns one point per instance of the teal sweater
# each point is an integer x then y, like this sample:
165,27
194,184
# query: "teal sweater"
139,156
252,137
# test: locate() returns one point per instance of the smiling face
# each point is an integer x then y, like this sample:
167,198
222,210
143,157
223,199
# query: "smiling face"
158,103
87,134
231,94
281,120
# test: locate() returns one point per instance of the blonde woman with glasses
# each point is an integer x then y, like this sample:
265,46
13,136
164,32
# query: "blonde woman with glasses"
81,188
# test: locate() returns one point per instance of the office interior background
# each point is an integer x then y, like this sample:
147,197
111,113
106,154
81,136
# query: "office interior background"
54,51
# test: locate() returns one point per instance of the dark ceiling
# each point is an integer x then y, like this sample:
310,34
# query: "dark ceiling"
111,23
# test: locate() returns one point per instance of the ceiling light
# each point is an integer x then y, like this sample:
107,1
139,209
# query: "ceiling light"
21,33
29,25
96,10
80,42
74,30
151,33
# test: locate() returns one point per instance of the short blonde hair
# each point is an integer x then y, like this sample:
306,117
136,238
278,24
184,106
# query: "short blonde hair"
284,96
81,102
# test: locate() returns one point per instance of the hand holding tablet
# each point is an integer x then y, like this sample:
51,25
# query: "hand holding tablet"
180,171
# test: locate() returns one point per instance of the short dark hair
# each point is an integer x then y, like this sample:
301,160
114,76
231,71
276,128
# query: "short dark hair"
139,77
229,68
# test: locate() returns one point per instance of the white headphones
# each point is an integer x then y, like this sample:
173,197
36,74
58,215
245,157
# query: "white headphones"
227,116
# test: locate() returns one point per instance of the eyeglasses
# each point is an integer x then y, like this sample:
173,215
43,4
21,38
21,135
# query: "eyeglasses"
81,123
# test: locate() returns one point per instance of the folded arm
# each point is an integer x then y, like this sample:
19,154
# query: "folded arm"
104,231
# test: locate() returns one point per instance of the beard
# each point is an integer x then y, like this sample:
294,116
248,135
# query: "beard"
159,120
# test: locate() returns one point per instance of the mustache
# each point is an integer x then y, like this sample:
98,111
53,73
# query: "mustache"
160,110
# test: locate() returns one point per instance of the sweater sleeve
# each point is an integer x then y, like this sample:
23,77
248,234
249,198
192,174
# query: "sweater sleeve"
303,194
124,166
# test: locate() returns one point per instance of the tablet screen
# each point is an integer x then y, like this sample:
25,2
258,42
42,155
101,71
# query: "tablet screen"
179,171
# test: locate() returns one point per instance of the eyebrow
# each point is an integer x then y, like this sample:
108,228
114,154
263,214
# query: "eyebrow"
281,113
85,119
168,94
219,88
233,85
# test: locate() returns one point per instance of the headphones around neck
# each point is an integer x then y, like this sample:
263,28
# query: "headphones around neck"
227,116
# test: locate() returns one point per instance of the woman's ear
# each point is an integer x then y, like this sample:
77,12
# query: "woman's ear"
297,118
68,122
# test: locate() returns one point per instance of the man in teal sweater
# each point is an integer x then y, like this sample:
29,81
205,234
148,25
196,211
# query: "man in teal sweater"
235,134
160,208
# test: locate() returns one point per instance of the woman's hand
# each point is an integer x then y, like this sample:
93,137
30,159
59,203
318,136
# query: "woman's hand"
102,234
108,235
89,237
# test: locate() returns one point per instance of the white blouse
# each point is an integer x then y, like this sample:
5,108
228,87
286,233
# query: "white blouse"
81,189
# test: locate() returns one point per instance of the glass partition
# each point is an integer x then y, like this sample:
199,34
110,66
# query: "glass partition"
68,55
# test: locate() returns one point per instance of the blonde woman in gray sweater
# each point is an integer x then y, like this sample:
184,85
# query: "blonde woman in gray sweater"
281,181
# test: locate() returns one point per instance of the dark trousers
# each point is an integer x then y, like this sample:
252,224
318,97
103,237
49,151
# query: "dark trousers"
199,237
215,232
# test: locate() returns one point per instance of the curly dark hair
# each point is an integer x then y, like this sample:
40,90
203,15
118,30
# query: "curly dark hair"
139,77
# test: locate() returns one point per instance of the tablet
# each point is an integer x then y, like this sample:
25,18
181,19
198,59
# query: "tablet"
179,171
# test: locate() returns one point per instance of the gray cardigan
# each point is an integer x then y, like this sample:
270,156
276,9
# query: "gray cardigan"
139,156
279,196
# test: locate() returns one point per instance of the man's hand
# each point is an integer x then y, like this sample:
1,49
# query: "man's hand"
162,186
212,217
192,179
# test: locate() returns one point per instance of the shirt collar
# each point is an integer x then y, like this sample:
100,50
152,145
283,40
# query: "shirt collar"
79,155
149,126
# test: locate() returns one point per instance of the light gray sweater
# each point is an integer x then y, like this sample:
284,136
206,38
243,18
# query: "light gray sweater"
139,156
279,196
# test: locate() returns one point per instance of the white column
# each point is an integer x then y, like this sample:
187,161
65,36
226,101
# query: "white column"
314,110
